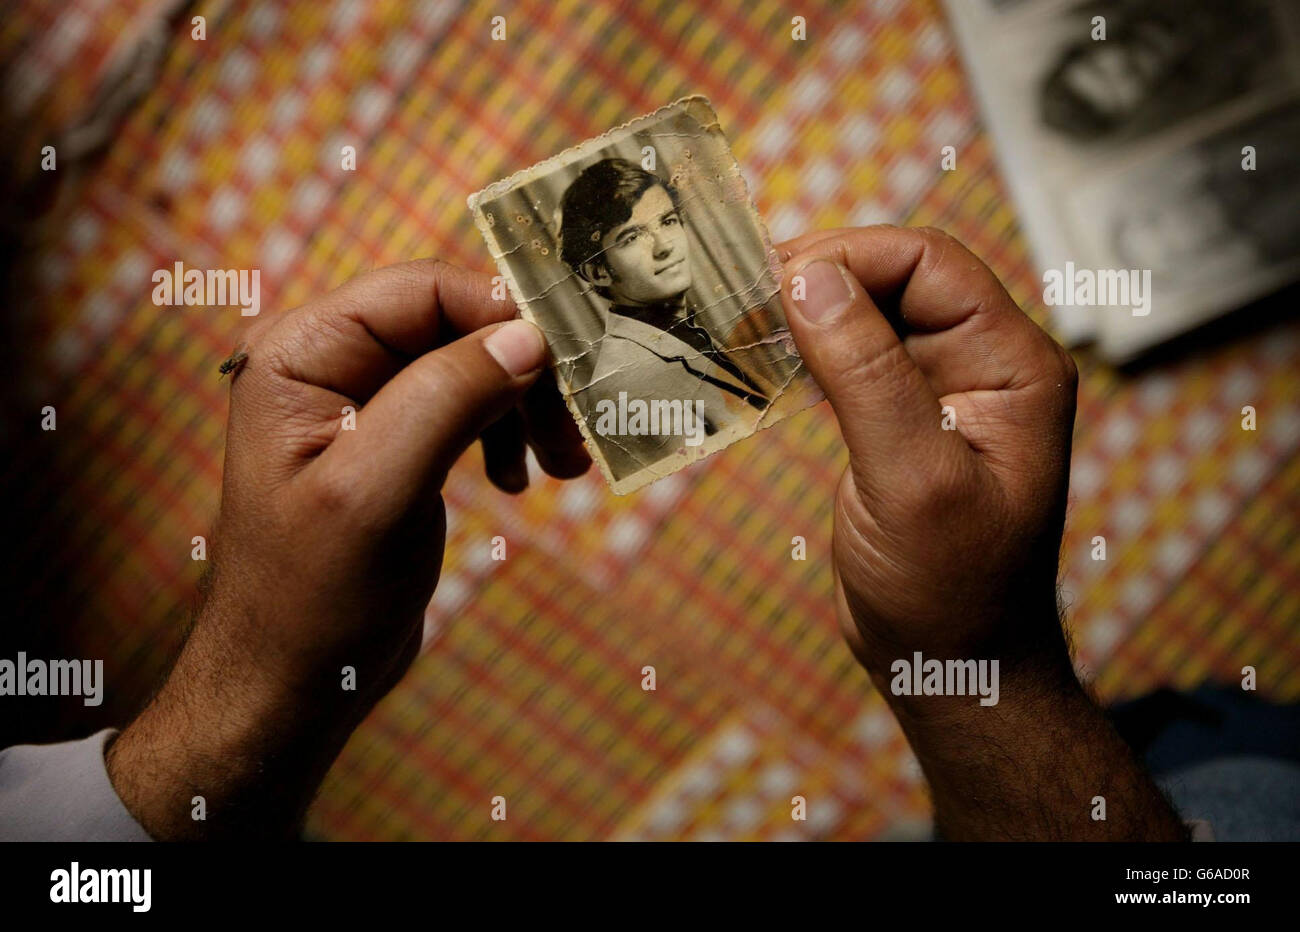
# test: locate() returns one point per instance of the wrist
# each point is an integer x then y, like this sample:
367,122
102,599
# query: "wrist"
219,730
1033,765
934,694
1028,661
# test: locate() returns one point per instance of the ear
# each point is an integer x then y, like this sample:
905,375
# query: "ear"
595,271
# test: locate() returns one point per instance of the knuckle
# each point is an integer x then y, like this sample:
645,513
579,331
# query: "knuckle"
312,330
418,276
923,501
944,490
943,250
934,488
938,240
422,269
451,377
271,342
273,359
936,245
326,324
444,374
861,370
417,281
933,232
911,491
255,333
870,230
330,492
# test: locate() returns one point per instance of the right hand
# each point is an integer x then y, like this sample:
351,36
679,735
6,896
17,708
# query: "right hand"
946,541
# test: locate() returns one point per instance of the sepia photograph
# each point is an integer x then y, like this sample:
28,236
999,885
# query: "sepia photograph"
642,260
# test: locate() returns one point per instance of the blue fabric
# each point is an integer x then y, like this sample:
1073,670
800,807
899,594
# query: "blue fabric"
1172,730
1243,798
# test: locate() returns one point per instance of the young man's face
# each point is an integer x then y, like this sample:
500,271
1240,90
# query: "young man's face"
648,258
1113,79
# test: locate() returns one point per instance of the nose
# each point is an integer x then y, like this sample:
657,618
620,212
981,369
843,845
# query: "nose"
663,243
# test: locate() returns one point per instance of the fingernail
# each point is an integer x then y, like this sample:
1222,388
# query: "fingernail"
517,346
825,291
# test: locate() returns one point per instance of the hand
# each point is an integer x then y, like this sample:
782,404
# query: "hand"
330,540
946,541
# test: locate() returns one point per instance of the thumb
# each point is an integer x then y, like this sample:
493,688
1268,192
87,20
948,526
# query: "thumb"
888,414
411,432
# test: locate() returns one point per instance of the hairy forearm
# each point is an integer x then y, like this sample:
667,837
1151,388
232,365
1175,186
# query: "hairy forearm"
1033,766
253,750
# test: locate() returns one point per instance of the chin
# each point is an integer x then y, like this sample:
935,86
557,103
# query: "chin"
677,286
672,294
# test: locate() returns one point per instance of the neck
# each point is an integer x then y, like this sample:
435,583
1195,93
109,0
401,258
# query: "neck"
677,302
662,314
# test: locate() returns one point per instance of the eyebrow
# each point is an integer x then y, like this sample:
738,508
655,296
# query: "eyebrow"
641,226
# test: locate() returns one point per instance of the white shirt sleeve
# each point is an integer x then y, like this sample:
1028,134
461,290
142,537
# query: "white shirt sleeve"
61,792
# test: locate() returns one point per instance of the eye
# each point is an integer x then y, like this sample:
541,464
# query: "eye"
672,220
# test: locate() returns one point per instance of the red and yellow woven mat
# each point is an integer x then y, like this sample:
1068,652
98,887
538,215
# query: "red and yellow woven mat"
531,684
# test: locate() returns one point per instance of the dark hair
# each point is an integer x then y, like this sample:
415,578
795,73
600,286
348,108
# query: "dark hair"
597,201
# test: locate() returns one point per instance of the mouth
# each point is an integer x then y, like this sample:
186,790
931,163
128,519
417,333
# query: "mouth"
671,266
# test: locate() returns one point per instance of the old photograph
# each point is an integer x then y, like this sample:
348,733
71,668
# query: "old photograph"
1145,136
642,259
1211,234
1158,63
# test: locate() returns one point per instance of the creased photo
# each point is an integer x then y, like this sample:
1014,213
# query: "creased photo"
1142,137
642,259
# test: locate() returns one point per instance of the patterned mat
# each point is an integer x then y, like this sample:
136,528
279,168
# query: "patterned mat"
531,684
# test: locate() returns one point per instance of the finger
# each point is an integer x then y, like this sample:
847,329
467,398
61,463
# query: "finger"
888,413
963,330
552,432
503,452
790,248
409,435
1007,381
357,337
